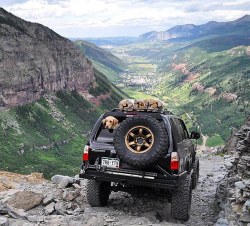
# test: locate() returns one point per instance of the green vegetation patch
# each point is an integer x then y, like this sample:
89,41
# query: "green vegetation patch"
49,136
215,140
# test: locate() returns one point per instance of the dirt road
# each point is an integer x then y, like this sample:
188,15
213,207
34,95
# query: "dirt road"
124,209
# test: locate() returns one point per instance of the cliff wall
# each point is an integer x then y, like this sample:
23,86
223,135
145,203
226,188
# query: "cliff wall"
35,60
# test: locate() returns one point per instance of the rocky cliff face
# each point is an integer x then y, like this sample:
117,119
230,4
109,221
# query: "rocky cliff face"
35,60
234,190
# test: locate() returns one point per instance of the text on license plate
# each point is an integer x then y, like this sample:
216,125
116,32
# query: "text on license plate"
111,162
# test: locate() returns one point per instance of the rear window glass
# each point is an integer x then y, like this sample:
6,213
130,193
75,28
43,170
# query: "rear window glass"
105,135
177,130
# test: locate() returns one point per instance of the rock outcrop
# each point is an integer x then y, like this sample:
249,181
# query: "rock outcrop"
233,192
21,205
35,60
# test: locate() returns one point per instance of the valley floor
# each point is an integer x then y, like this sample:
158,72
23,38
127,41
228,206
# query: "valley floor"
71,206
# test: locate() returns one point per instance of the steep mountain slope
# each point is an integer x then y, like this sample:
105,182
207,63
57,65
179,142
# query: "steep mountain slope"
50,97
179,31
48,136
102,60
34,60
240,26
209,83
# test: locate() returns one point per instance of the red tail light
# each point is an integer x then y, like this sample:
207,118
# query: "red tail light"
85,155
174,164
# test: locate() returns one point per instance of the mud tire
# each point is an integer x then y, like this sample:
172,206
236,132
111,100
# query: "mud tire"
158,148
98,193
181,201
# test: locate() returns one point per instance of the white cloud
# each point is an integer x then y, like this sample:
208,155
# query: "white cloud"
123,17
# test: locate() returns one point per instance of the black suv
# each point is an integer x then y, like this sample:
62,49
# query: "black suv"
148,150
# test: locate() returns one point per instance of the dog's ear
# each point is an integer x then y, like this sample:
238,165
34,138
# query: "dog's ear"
116,121
104,121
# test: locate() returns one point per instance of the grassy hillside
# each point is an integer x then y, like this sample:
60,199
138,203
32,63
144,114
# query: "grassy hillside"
48,136
102,60
220,74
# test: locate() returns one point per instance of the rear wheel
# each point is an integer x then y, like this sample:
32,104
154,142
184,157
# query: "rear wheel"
195,175
181,201
98,193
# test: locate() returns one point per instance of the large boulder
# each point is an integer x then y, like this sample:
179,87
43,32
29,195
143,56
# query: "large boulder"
25,200
64,181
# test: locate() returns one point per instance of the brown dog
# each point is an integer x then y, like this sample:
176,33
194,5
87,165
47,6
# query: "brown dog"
110,122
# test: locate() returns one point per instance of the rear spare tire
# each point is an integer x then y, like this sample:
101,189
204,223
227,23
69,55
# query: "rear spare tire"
141,140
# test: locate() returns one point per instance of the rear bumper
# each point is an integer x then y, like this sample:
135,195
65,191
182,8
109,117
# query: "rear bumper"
133,177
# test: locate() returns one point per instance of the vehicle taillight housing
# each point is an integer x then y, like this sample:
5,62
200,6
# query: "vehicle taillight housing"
174,164
85,155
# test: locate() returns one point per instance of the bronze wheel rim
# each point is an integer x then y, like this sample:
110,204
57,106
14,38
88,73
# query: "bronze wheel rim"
139,139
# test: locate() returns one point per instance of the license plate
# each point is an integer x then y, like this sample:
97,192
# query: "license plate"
111,162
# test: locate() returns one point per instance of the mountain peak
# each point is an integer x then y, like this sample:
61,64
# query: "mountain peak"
184,27
3,12
244,18
211,22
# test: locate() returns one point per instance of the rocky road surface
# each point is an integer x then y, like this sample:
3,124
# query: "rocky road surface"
68,206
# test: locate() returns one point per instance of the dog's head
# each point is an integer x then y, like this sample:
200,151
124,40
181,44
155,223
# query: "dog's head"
110,122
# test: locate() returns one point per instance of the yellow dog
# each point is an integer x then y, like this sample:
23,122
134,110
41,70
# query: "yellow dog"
110,122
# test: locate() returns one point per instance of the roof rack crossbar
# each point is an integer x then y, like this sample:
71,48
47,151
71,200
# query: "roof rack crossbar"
161,112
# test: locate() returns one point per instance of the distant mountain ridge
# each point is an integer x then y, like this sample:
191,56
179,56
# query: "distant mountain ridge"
109,41
196,31
103,60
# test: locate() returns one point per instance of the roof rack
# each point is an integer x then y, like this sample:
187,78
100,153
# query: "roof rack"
165,111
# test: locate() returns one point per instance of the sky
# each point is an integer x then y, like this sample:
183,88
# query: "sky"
111,18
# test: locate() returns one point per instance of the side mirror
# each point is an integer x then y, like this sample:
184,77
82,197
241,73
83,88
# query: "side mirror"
195,135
